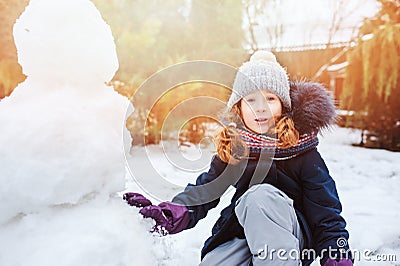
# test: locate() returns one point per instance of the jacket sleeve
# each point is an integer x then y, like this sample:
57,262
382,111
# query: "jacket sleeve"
209,187
322,207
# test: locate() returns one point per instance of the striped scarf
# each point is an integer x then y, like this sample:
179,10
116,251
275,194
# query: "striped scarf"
258,143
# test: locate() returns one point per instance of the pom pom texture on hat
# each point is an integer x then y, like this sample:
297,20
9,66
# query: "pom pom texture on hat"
262,72
263,56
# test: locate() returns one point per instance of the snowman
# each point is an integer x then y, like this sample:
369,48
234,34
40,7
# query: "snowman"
62,127
62,160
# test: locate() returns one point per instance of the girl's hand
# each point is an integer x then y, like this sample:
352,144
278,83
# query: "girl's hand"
169,217
136,199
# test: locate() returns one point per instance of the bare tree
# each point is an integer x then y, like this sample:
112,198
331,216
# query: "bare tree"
340,12
251,26
263,16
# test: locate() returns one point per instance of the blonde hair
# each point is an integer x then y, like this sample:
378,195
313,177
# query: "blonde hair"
231,148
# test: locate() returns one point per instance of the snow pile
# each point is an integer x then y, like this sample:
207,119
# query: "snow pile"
62,160
95,233
65,41
61,138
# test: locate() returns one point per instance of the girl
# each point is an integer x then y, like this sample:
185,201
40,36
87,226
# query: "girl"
286,210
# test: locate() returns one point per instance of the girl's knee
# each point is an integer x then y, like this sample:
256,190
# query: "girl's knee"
264,193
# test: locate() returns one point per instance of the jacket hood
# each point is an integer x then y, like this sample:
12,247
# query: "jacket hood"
313,108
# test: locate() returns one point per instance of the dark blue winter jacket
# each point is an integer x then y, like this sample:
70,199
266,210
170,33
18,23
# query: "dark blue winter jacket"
304,178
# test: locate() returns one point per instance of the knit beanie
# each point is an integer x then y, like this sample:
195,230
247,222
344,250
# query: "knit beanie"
261,72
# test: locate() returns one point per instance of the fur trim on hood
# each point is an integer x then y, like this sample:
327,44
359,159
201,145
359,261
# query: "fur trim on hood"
313,108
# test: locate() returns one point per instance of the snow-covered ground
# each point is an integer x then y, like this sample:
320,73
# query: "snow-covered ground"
106,231
368,183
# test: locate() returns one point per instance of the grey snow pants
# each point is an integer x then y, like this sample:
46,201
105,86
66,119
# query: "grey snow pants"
273,234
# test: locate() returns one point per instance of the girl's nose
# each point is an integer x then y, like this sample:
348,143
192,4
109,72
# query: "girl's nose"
262,106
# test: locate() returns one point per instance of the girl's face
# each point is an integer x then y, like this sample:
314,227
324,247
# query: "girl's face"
259,110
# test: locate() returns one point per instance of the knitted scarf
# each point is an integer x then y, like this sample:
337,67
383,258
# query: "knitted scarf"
258,143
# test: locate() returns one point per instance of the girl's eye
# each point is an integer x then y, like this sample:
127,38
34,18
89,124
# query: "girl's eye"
250,100
270,98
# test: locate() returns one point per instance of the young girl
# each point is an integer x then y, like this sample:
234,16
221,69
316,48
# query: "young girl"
285,202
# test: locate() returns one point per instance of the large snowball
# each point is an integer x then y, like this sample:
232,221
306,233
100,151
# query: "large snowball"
61,138
65,41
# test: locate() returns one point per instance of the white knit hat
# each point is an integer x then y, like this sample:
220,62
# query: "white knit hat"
262,72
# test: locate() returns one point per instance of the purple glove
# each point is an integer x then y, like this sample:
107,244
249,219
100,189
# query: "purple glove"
341,262
169,216
136,199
